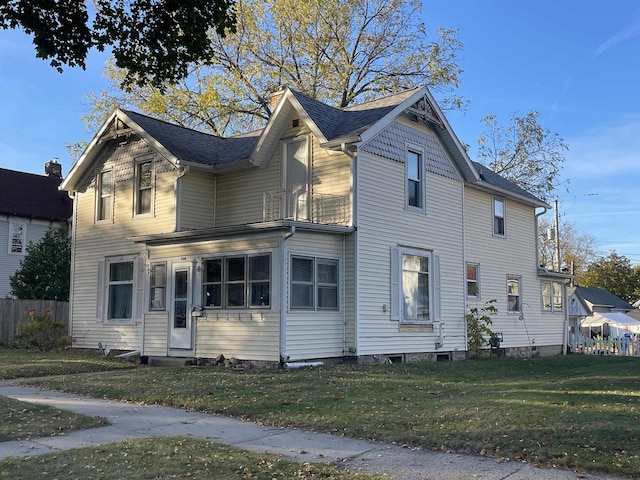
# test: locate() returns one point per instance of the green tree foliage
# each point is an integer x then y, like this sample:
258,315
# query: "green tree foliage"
478,325
45,271
615,274
156,41
576,247
337,51
524,152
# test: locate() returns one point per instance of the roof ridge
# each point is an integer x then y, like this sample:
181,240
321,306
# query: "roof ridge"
127,112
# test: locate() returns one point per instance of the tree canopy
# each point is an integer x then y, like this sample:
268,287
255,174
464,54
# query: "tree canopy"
337,51
44,273
156,41
615,274
523,152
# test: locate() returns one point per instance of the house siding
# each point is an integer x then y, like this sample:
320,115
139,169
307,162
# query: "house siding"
384,222
109,238
513,254
196,201
316,334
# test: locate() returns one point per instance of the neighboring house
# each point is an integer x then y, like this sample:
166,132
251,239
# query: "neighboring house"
590,308
29,205
332,233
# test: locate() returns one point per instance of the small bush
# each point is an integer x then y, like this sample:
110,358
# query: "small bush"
478,321
42,332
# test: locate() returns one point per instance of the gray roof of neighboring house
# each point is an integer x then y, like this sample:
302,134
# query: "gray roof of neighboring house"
489,176
599,296
189,145
33,196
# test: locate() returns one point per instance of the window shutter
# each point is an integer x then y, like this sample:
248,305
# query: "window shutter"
395,284
436,289
100,292
140,284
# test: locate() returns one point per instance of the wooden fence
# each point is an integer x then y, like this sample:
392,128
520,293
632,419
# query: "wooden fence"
623,346
13,312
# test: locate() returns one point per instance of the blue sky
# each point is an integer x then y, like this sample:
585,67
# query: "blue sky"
575,62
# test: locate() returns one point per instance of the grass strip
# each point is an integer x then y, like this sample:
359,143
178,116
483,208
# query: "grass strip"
165,458
21,420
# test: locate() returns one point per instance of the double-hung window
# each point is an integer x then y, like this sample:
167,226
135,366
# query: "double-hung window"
473,283
144,187
104,198
314,283
498,217
514,294
415,179
18,232
241,281
552,296
416,287
120,291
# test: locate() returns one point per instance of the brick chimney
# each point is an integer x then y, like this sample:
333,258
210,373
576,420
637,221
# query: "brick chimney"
275,98
53,169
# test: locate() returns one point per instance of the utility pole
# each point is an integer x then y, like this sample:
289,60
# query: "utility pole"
557,234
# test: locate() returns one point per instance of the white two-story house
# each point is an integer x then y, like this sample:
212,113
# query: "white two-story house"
360,232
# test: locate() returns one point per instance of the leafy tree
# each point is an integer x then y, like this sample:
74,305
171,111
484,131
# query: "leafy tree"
45,270
154,40
337,51
478,325
524,152
577,247
615,274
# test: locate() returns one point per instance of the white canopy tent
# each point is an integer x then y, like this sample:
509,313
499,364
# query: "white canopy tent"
618,322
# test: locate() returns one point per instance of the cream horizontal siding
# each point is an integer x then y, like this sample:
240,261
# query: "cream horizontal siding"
95,241
156,334
384,222
316,334
513,254
196,201
350,294
214,247
243,335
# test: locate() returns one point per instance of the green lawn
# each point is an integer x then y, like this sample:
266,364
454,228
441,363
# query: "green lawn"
17,363
577,411
168,457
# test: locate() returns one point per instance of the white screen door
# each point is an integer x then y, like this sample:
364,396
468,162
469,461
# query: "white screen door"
296,182
181,323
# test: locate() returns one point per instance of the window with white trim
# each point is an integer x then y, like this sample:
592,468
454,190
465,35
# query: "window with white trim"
18,238
314,283
498,217
158,286
104,200
473,282
144,187
120,290
239,281
514,294
416,288
552,296
415,179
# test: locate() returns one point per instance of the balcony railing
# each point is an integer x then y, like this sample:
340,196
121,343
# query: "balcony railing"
302,206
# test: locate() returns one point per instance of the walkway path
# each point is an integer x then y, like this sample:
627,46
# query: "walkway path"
136,421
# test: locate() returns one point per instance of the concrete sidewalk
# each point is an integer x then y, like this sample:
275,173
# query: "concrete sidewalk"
137,421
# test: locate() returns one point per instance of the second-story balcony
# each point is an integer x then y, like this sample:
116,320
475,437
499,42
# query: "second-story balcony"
302,206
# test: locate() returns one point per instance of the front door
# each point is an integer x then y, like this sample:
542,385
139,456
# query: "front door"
181,331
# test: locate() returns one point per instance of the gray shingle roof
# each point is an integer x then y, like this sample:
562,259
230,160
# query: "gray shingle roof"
490,177
189,145
599,296
33,196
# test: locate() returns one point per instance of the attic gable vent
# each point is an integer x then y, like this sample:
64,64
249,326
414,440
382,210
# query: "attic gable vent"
295,123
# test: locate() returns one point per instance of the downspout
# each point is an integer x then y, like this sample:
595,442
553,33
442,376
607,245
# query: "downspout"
182,171
464,269
537,237
74,224
354,223
283,295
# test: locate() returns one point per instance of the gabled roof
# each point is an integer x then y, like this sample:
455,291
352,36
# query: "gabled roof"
599,297
33,196
489,178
